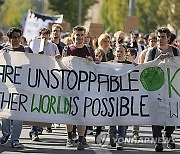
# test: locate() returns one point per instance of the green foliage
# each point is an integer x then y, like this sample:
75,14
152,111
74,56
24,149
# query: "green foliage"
169,10
113,14
151,13
69,9
147,11
11,15
11,11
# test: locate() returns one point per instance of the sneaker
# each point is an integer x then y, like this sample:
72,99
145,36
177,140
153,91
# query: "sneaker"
35,137
119,145
89,132
84,142
113,141
74,136
16,145
39,131
49,130
170,143
80,146
70,143
57,125
158,147
136,137
4,139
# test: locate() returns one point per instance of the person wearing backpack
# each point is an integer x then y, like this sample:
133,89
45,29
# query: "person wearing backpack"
163,50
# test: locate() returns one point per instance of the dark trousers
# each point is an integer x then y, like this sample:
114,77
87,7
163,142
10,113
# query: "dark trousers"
157,132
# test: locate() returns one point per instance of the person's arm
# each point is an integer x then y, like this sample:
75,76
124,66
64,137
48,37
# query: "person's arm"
142,56
148,56
65,51
57,53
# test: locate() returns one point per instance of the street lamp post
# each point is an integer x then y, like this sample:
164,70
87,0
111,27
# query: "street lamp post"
79,11
131,7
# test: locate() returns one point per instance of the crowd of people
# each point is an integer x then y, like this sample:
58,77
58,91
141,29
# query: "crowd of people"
135,48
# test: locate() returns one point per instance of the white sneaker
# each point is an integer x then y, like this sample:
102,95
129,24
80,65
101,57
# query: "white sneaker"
56,125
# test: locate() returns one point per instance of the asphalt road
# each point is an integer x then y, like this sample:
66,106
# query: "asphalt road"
55,143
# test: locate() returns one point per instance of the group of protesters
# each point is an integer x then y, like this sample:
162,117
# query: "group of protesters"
135,49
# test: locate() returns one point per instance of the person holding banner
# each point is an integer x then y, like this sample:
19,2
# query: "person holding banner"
163,50
120,55
13,127
49,49
79,49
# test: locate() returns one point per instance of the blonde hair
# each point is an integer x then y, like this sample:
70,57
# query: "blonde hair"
103,37
67,40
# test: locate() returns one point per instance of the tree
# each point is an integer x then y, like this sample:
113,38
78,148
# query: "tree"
113,14
69,9
147,11
151,13
11,15
169,10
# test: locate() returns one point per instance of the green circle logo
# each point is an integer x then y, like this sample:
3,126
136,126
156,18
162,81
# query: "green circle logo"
152,78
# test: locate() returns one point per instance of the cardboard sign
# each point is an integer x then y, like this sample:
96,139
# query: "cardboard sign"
131,23
65,25
96,30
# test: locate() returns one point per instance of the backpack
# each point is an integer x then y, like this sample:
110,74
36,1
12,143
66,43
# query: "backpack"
153,53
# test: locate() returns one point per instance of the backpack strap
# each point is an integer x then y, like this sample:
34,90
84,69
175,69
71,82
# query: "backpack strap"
88,48
65,51
153,53
142,47
175,51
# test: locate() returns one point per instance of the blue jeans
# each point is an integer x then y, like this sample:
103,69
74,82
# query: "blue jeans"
120,131
14,131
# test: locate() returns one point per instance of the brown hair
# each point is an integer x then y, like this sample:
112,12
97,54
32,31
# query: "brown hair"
163,30
132,52
101,52
44,30
57,26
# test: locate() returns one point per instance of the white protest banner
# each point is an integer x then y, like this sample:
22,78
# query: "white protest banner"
73,90
35,21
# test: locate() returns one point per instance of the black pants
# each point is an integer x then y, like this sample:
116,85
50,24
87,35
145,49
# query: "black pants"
157,134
